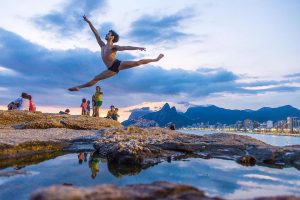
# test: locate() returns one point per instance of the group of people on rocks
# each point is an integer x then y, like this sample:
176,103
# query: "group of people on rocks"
113,113
96,104
24,102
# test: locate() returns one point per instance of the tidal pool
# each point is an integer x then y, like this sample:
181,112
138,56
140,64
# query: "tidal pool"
215,177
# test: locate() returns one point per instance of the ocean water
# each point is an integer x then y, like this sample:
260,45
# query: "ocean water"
276,140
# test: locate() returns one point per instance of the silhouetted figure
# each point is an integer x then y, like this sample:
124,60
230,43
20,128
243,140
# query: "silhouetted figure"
172,126
67,111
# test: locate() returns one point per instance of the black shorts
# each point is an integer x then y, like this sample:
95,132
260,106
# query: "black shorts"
115,66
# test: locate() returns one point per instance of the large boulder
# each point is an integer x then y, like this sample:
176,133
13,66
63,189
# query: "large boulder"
28,120
156,190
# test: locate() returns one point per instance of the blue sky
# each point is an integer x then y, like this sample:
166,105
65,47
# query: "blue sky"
235,54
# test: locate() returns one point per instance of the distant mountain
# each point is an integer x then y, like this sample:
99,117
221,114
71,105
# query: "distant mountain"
167,115
140,122
214,114
209,113
137,113
275,114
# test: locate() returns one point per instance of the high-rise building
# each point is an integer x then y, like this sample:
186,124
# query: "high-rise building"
269,124
248,124
239,125
282,124
292,123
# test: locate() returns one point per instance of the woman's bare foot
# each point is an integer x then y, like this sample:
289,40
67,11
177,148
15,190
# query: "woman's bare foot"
160,56
74,89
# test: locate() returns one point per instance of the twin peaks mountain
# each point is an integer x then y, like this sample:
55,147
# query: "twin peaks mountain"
144,117
167,115
207,114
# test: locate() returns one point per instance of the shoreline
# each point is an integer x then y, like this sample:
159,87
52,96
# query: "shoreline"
248,133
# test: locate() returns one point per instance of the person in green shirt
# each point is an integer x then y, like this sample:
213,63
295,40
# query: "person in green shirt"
98,99
94,166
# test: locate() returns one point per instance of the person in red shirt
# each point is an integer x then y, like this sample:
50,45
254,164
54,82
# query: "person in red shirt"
83,106
32,107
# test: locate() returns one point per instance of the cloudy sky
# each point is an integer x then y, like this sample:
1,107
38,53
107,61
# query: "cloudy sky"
231,53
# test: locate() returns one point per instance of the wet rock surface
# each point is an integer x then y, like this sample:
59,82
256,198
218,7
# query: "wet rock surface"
24,159
24,133
155,190
27,120
15,137
146,147
27,144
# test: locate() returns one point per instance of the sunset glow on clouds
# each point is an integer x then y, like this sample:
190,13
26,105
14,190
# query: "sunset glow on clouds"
235,54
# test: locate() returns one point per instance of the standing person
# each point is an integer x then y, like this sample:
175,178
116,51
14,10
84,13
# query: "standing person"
108,54
88,108
32,107
98,100
93,105
83,106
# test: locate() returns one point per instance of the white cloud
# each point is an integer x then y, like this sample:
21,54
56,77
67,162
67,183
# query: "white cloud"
2,89
251,101
7,72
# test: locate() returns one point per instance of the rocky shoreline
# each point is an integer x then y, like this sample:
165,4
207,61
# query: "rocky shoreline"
146,147
24,135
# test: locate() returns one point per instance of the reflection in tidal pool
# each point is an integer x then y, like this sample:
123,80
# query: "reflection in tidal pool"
216,177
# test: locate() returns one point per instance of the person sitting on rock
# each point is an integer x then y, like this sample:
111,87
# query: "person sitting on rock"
110,112
12,106
67,112
172,126
22,102
108,54
32,107
115,114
